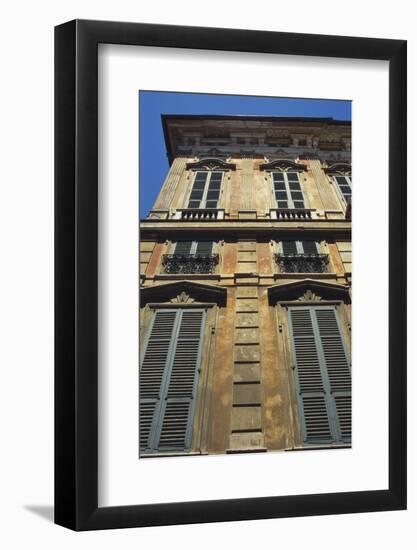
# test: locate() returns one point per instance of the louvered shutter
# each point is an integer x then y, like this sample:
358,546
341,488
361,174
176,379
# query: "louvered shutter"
289,247
168,380
176,418
204,248
322,375
182,248
309,247
338,369
152,374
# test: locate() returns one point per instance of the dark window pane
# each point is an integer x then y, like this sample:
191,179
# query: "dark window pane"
196,194
294,185
215,185
292,176
279,185
282,204
211,204
213,195
281,195
193,204
278,176
201,176
216,176
297,195
199,186
344,188
298,204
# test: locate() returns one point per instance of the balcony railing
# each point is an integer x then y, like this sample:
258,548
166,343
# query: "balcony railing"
302,263
291,213
199,214
189,263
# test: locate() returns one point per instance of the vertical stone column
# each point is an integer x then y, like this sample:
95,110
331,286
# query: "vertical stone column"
171,182
327,194
246,187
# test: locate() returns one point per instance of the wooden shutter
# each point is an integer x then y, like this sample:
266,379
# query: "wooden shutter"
289,247
204,248
309,247
152,373
322,375
183,248
168,380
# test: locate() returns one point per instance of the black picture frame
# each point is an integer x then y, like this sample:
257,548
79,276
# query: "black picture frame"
76,272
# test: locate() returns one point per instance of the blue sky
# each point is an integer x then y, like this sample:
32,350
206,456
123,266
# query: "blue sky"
152,153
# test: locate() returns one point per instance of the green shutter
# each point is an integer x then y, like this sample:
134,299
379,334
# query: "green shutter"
289,247
168,380
309,247
323,376
183,248
204,248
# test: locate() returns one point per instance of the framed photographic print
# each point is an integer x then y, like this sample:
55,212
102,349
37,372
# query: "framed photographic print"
230,325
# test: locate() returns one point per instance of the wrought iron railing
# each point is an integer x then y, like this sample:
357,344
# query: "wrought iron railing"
189,263
302,263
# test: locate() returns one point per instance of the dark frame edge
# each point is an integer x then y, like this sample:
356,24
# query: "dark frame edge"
65,259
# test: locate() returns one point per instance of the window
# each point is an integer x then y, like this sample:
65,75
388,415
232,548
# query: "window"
206,188
287,190
322,372
191,257
201,248
168,380
301,257
299,247
344,185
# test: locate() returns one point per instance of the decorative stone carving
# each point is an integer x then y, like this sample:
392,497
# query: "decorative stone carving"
182,298
210,163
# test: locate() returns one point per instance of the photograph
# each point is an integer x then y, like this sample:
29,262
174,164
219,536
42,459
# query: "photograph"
245,274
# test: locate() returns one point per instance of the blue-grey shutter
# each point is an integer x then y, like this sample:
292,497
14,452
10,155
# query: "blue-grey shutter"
204,248
323,377
183,248
152,372
289,247
176,418
309,247
338,369
168,380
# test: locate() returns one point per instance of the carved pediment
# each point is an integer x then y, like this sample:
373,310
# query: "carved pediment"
183,292
344,168
308,290
283,164
210,163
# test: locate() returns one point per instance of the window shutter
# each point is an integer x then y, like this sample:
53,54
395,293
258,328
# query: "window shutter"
183,248
204,248
176,425
309,247
168,380
152,373
338,369
322,374
289,247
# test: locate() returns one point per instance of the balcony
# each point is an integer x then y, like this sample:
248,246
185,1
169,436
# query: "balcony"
291,213
302,263
199,214
189,263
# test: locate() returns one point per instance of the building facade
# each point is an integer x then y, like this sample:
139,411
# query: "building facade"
245,299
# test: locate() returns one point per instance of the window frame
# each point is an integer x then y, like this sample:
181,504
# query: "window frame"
299,246
289,200
348,178
194,245
203,200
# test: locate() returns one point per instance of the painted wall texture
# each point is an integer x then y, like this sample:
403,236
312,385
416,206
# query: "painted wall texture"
252,227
